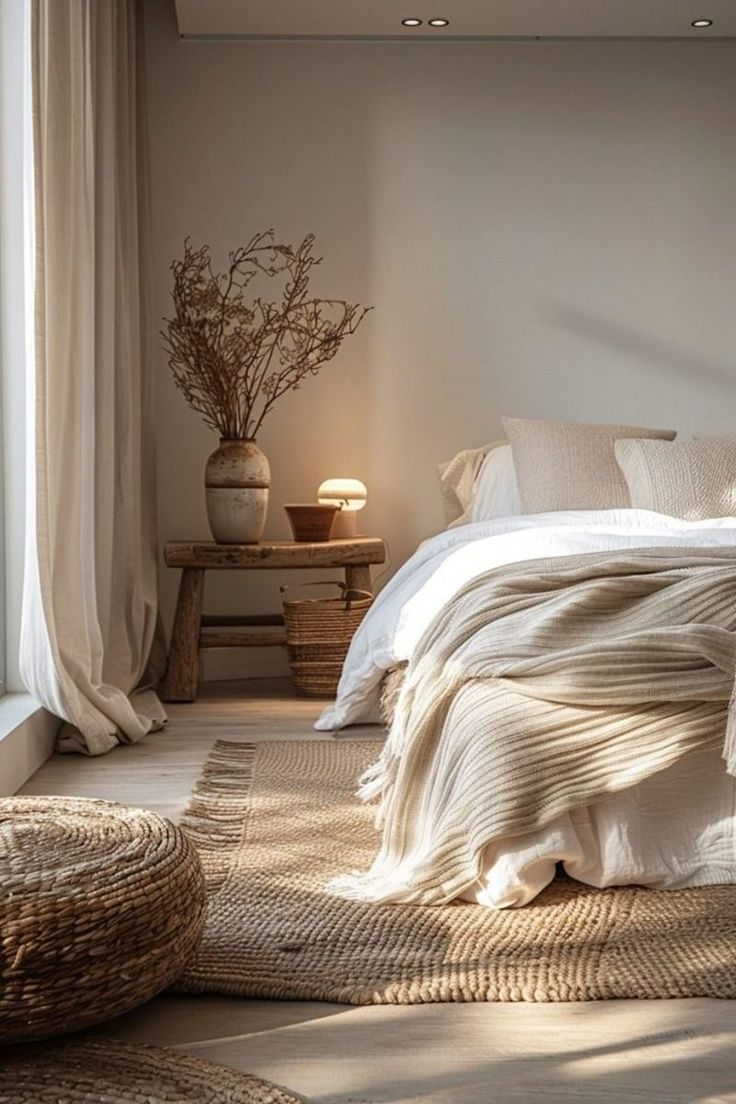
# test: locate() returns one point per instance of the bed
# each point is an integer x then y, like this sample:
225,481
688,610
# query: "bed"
626,720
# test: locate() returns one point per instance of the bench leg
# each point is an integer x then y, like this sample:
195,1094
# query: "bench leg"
358,577
180,683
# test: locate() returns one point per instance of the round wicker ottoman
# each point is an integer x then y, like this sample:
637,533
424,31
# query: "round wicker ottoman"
101,906
103,1071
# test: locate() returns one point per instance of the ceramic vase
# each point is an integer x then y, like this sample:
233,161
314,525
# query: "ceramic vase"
237,481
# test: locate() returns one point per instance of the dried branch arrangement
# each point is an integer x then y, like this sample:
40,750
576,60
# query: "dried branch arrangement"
233,357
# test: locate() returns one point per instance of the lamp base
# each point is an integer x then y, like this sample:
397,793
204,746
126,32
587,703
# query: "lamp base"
344,525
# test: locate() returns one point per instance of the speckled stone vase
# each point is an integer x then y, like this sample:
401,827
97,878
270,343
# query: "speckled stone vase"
237,481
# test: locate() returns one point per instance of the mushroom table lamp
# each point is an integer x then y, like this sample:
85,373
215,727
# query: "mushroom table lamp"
350,495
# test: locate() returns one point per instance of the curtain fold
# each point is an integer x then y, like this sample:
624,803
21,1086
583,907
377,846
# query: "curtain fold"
90,620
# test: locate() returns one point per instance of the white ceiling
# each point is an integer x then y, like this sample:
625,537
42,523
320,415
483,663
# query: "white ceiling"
468,18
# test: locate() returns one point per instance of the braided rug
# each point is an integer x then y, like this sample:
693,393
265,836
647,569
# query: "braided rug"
102,1071
274,822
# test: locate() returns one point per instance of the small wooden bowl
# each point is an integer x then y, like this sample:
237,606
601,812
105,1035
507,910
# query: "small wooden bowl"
311,522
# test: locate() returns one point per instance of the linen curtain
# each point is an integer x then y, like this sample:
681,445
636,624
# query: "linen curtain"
90,595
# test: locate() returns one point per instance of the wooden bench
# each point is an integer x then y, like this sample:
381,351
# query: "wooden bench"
194,629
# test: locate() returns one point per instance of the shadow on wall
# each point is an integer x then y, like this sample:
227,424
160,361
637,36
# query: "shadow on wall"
644,347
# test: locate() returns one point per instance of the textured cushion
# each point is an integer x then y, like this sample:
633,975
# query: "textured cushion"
457,479
688,479
479,485
571,465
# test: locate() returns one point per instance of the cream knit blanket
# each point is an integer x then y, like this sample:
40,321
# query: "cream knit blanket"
540,688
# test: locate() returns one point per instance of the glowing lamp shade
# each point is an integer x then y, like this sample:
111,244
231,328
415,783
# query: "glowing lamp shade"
350,495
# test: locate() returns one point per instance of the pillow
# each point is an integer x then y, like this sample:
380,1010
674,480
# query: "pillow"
688,479
496,491
457,480
571,465
479,485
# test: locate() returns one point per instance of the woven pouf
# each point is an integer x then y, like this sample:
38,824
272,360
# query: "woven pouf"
90,1071
101,906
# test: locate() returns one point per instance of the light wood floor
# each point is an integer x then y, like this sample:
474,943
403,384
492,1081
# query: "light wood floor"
664,1052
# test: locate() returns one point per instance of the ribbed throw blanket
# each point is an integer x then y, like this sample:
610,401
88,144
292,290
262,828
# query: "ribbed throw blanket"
540,688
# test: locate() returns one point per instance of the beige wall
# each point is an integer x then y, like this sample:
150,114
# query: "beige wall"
543,228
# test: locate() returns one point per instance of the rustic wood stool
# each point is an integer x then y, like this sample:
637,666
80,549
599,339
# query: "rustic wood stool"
180,684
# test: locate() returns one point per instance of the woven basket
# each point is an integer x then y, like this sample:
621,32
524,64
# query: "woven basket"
101,907
318,635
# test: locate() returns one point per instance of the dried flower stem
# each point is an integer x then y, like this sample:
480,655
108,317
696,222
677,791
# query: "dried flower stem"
233,360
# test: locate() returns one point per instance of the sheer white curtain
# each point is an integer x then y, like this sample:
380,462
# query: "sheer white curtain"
90,596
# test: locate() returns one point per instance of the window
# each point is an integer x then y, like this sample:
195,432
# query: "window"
15,197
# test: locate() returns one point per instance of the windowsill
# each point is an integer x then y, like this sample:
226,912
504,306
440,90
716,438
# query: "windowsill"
27,735
15,710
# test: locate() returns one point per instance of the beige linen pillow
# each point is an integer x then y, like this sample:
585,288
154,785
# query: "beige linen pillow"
686,479
457,479
570,465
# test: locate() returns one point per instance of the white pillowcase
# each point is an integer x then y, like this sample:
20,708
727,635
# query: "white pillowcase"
496,491
480,485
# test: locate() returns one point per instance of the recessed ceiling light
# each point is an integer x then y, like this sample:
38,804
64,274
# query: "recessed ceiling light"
411,22
439,22
702,23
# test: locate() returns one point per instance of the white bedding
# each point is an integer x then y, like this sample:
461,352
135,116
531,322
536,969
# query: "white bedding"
674,830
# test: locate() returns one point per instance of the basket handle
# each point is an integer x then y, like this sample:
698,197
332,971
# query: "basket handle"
331,582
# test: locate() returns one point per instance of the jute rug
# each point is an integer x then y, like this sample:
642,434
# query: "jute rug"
274,822
92,1071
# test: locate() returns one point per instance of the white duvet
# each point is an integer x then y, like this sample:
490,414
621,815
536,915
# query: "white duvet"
676,829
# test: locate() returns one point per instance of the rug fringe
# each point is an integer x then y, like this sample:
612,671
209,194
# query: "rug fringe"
216,817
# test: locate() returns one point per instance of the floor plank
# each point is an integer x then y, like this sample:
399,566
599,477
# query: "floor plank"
663,1052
